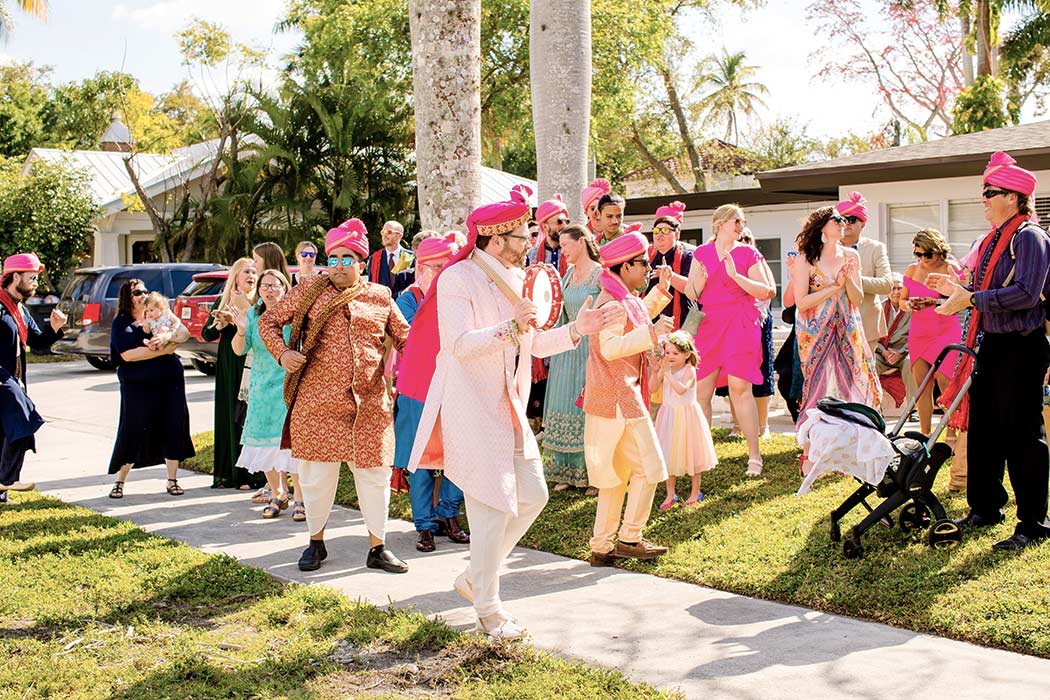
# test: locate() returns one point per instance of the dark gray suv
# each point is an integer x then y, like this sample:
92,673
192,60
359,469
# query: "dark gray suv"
90,303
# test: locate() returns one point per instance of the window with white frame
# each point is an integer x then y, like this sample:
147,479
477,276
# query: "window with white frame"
966,223
904,221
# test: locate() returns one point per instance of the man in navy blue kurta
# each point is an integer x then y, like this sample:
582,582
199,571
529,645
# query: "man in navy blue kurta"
18,417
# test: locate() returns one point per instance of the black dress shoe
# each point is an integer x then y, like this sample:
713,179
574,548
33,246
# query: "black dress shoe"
975,520
454,531
1016,541
425,543
379,557
313,556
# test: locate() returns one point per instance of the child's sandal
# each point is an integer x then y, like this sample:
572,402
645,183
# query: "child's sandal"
667,505
690,503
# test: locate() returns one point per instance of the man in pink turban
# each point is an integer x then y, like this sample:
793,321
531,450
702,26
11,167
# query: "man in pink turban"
552,216
876,278
589,201
669,251
477,331
338,405
1003,409
619,441
19,419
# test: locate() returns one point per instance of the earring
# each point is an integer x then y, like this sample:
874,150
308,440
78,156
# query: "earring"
823,238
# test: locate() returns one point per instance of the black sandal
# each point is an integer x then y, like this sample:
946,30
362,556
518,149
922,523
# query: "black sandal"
117,491
174,489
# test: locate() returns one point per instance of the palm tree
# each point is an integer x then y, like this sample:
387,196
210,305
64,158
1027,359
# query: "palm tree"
725,79
37,8
446,79
560,68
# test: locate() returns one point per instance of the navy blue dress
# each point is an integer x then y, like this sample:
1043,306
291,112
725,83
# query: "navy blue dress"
154,420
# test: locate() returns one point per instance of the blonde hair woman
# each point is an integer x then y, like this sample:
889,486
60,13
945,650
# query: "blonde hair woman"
237,297
728,278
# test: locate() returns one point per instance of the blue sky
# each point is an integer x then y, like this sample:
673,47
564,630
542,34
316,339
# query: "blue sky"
82,37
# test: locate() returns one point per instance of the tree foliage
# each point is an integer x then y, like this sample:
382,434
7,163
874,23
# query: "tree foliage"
732,89
48,211
980,106
23,101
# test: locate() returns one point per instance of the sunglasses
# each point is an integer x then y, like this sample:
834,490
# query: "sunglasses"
346,260
838,218
139,292
851,219
663,231
988,193
560,220
307,254
923,254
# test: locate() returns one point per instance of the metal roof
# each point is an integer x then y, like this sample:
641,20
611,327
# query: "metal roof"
496,184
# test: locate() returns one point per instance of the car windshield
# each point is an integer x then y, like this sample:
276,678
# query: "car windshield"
153,278
205,286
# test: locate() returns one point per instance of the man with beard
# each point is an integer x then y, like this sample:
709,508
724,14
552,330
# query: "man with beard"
875,276
552,216
668,251
18,331
589,197
338,404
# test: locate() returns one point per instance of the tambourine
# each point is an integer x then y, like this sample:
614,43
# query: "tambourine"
543,287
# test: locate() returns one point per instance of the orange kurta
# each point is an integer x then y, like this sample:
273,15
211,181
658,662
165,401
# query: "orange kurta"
342,412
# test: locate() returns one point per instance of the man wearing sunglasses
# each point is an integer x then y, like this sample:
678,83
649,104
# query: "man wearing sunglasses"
876,278
338,405
19,420
668,251
1003,410
552,216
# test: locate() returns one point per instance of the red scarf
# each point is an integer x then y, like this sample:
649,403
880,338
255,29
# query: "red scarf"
961,418
374,265
541,256
12,308
676,267
888,305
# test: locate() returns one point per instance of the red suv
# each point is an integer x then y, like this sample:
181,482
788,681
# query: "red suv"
193,307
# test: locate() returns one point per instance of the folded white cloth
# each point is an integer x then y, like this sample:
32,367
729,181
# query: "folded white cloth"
837,445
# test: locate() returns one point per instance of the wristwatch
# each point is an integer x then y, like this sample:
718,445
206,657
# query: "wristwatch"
973,301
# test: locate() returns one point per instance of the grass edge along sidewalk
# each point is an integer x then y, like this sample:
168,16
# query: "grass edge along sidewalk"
95,607
754,537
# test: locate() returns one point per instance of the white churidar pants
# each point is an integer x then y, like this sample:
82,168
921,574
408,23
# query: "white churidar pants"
319,480
493,533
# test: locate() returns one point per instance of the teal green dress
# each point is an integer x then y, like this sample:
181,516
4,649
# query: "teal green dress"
266,409
563,461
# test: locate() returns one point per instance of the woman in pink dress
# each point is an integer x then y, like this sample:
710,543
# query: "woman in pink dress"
929,331
728,281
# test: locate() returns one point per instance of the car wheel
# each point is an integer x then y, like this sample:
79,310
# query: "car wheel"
99,362
203,367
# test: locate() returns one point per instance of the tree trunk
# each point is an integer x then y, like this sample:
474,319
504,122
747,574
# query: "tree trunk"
683,128
446,81
984,37
964,55
657,164
560,75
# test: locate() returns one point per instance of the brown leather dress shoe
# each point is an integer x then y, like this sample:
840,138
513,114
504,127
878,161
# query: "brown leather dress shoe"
454,531
602,559
425,543
642,549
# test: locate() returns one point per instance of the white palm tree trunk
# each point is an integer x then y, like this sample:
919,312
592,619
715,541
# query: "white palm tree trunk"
560,70
446,65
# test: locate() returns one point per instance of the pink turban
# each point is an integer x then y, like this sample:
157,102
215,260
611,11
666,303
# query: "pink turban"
1003,171
594,191
674,211
550,208
627,246
23,262
436,247
853,205
350,234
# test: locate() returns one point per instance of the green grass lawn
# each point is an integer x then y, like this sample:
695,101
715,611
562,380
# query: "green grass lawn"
755,537
94,607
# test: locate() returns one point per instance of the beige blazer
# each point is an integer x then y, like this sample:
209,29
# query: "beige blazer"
473,400
875,279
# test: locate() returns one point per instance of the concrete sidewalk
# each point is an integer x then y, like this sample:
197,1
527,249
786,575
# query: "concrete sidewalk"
706,643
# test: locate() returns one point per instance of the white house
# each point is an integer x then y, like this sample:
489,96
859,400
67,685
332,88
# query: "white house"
935,184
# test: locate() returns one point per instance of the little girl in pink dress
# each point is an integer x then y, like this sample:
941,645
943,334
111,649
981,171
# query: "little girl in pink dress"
682,429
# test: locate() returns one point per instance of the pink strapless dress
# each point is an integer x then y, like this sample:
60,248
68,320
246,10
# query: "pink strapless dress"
930,331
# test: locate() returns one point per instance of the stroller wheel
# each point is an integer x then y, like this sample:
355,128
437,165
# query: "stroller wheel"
836,531
944,534
914,516
852,549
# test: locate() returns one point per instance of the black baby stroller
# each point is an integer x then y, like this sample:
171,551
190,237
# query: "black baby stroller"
908,479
